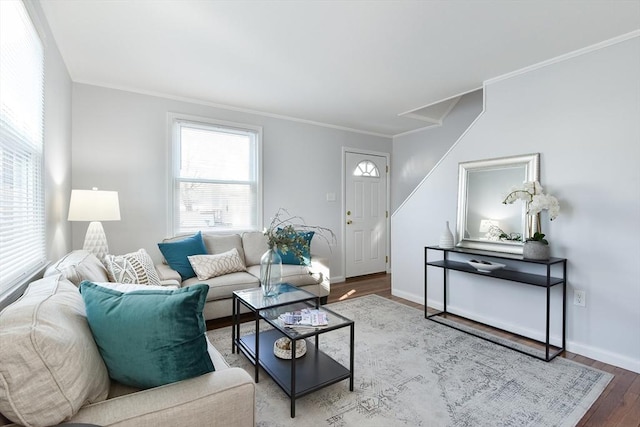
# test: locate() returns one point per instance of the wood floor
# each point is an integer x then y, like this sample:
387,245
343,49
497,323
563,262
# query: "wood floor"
618,405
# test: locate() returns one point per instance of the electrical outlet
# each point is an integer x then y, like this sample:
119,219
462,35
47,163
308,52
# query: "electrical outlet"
579,298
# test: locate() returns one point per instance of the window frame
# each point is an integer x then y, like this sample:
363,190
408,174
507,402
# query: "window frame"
174,121
363,170
32,266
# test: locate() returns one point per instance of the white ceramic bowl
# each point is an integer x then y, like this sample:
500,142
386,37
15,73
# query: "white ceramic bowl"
485,266
282,348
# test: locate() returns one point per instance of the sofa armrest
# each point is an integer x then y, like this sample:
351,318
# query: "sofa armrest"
319,269
221,398
168,276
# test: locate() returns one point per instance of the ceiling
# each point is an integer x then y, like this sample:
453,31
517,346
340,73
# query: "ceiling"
349,64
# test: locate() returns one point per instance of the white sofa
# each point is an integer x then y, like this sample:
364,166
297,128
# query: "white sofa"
51,370
251,246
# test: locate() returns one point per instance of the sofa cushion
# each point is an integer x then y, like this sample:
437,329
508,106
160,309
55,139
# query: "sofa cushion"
219,243
218,360
176,253
77,266
49,363
255,245
135,267
222,287
129,287
148,338
208,266
289,257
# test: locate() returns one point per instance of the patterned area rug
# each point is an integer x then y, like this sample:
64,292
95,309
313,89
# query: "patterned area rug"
413,372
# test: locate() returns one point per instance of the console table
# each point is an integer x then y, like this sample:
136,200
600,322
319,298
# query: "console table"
544,280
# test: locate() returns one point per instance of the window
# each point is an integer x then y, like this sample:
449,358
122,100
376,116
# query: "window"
216,176
22,221
366,168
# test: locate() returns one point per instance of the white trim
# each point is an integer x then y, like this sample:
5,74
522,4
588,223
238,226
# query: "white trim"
406,200
555,339
337,279
16,291
486,83
407,295
172,153
409,132
461,94
423,118
343,218
34,12
564,57
229,107
572,346
604,356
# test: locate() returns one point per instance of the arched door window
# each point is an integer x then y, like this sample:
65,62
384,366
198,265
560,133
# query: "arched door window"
366,168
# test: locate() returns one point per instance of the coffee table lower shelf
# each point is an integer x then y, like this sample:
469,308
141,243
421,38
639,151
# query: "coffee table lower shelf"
313,371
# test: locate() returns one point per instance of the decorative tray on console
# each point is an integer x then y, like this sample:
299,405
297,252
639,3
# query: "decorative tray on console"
485,266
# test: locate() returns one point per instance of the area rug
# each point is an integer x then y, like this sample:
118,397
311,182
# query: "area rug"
410,371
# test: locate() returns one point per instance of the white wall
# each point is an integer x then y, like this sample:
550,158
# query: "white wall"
57,140
120,142
582,115
416,153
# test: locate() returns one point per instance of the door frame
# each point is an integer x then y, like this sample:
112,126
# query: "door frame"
343,214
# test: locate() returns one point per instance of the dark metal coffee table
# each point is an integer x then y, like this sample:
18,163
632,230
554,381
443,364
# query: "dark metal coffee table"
296,377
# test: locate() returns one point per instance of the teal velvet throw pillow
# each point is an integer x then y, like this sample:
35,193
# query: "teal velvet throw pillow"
290,257
176,254
148,338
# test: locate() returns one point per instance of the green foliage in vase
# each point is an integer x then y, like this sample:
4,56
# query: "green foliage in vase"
286,233
538,237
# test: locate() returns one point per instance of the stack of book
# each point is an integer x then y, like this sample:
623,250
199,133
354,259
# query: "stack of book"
305,318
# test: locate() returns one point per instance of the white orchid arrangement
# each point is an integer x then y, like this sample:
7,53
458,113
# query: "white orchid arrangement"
532,194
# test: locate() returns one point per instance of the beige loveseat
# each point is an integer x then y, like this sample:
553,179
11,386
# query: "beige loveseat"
51,370
250,246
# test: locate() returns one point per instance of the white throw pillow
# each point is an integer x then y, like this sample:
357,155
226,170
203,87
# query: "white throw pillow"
135,267
49,363
77,266
208,266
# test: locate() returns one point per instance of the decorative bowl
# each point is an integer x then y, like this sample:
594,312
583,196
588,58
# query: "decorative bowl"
282,348
485,266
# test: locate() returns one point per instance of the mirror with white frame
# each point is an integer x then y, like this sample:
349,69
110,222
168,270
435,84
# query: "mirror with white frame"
484,222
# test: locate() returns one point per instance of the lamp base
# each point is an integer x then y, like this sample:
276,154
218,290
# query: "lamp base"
95,241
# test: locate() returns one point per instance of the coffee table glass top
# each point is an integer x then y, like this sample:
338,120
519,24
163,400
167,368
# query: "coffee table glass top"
335,321
287,294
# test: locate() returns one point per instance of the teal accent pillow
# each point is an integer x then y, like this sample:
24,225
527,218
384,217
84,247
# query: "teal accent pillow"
176,254
148,338
290,258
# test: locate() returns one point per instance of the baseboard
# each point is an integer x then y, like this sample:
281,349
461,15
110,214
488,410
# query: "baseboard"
572,346
418,299
604,356
555,338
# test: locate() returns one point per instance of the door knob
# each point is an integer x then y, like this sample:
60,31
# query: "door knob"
348,212
349,222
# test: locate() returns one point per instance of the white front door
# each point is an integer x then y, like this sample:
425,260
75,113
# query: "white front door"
366,214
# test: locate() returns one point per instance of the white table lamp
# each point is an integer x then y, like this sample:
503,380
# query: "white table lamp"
94,206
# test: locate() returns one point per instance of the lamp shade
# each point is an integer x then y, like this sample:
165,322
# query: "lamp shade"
94,205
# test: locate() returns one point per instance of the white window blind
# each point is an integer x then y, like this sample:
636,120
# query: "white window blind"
22,221
216,183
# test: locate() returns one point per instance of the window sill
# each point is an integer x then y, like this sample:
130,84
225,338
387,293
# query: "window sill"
16,291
